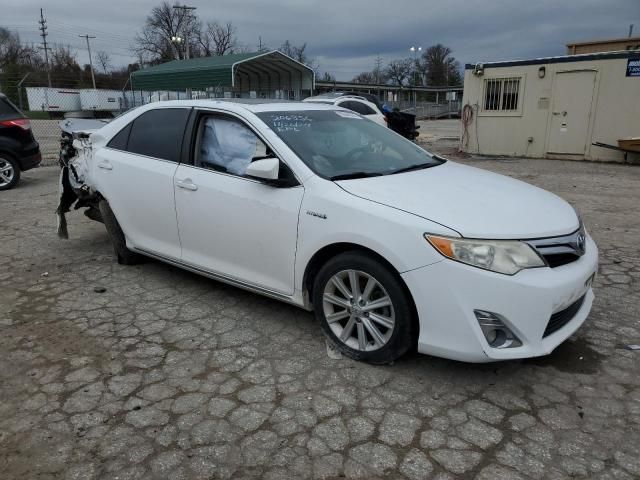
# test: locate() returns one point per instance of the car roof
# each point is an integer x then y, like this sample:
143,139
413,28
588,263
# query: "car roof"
252,105
319,99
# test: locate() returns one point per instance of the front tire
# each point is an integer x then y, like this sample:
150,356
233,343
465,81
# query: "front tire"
123,254
9,172
364,308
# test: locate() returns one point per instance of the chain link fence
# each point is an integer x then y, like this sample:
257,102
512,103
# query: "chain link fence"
67,96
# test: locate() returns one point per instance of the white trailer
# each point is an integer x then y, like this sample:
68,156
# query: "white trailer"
101,100
45,99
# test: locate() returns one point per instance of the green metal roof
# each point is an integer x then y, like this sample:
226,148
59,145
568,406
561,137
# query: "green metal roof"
196,73
193,73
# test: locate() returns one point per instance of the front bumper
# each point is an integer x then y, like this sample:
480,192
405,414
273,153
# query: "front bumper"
447,293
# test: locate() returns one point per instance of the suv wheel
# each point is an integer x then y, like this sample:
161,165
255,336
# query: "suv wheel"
364,309
9,172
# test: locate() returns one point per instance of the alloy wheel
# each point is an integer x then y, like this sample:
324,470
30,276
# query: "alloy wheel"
358,310
6,172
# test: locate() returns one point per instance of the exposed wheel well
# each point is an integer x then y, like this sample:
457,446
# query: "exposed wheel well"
9,154
330,251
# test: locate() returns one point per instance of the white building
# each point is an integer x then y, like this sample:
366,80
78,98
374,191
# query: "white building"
556,107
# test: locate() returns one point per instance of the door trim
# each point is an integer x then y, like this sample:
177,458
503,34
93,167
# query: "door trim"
218,276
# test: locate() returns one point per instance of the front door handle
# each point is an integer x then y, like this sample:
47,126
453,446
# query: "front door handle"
187,184
105,165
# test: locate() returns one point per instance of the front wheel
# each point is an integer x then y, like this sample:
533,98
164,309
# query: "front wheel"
364,309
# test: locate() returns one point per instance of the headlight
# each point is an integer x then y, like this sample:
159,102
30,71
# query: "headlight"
501,256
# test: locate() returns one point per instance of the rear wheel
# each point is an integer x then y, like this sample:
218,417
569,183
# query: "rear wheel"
123,254
364,309
9,172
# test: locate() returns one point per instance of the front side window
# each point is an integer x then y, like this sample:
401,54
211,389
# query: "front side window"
158,133
501,94
227,145
336,143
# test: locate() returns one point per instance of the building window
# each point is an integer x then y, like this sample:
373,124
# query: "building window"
501,94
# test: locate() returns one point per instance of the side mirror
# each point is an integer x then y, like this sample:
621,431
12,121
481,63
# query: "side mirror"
265,169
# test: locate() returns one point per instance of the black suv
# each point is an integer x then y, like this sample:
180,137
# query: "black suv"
19,151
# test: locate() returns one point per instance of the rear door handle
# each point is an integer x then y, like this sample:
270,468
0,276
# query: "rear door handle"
105,165
187,184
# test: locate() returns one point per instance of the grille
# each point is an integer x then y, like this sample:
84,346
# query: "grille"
561,318
559,259
558,251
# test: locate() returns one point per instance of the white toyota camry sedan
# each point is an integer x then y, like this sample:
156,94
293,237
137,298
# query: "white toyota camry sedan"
392,247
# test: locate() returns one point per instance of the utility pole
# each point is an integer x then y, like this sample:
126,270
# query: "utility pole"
43,29
416,51
377,70
630,30
186,12
93,78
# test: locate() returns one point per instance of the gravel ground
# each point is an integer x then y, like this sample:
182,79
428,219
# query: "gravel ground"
109,371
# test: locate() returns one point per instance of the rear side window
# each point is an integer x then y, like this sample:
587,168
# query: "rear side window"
358,107
7,110
119,142
158,133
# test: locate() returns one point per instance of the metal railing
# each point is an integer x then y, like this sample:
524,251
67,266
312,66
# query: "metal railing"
447,109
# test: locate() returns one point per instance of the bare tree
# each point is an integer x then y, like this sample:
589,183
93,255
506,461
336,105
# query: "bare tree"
153,43
13,52
63,60
440,67
365,77
218,39
299,53
104,60
399,71
327,77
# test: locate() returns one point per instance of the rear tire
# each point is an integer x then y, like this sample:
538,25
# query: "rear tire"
9,172
118,240
373,321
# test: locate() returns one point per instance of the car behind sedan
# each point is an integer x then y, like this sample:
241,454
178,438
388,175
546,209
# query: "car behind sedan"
389,245
19,151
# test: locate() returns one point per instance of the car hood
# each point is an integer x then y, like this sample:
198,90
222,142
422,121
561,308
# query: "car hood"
473,202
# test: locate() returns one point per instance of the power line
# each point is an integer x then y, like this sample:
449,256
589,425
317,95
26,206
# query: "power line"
93,78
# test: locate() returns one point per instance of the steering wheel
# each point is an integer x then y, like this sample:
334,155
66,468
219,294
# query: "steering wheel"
357,151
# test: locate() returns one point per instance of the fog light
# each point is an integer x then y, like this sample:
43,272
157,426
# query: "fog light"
497,334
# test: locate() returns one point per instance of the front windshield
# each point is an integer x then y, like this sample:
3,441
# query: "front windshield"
335,143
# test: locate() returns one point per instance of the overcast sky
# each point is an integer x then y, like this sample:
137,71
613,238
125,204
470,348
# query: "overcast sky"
346,35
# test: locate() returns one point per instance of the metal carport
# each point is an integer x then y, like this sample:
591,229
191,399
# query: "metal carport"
263,75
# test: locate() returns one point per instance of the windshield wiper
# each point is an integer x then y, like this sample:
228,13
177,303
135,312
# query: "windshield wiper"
418,166
352,175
